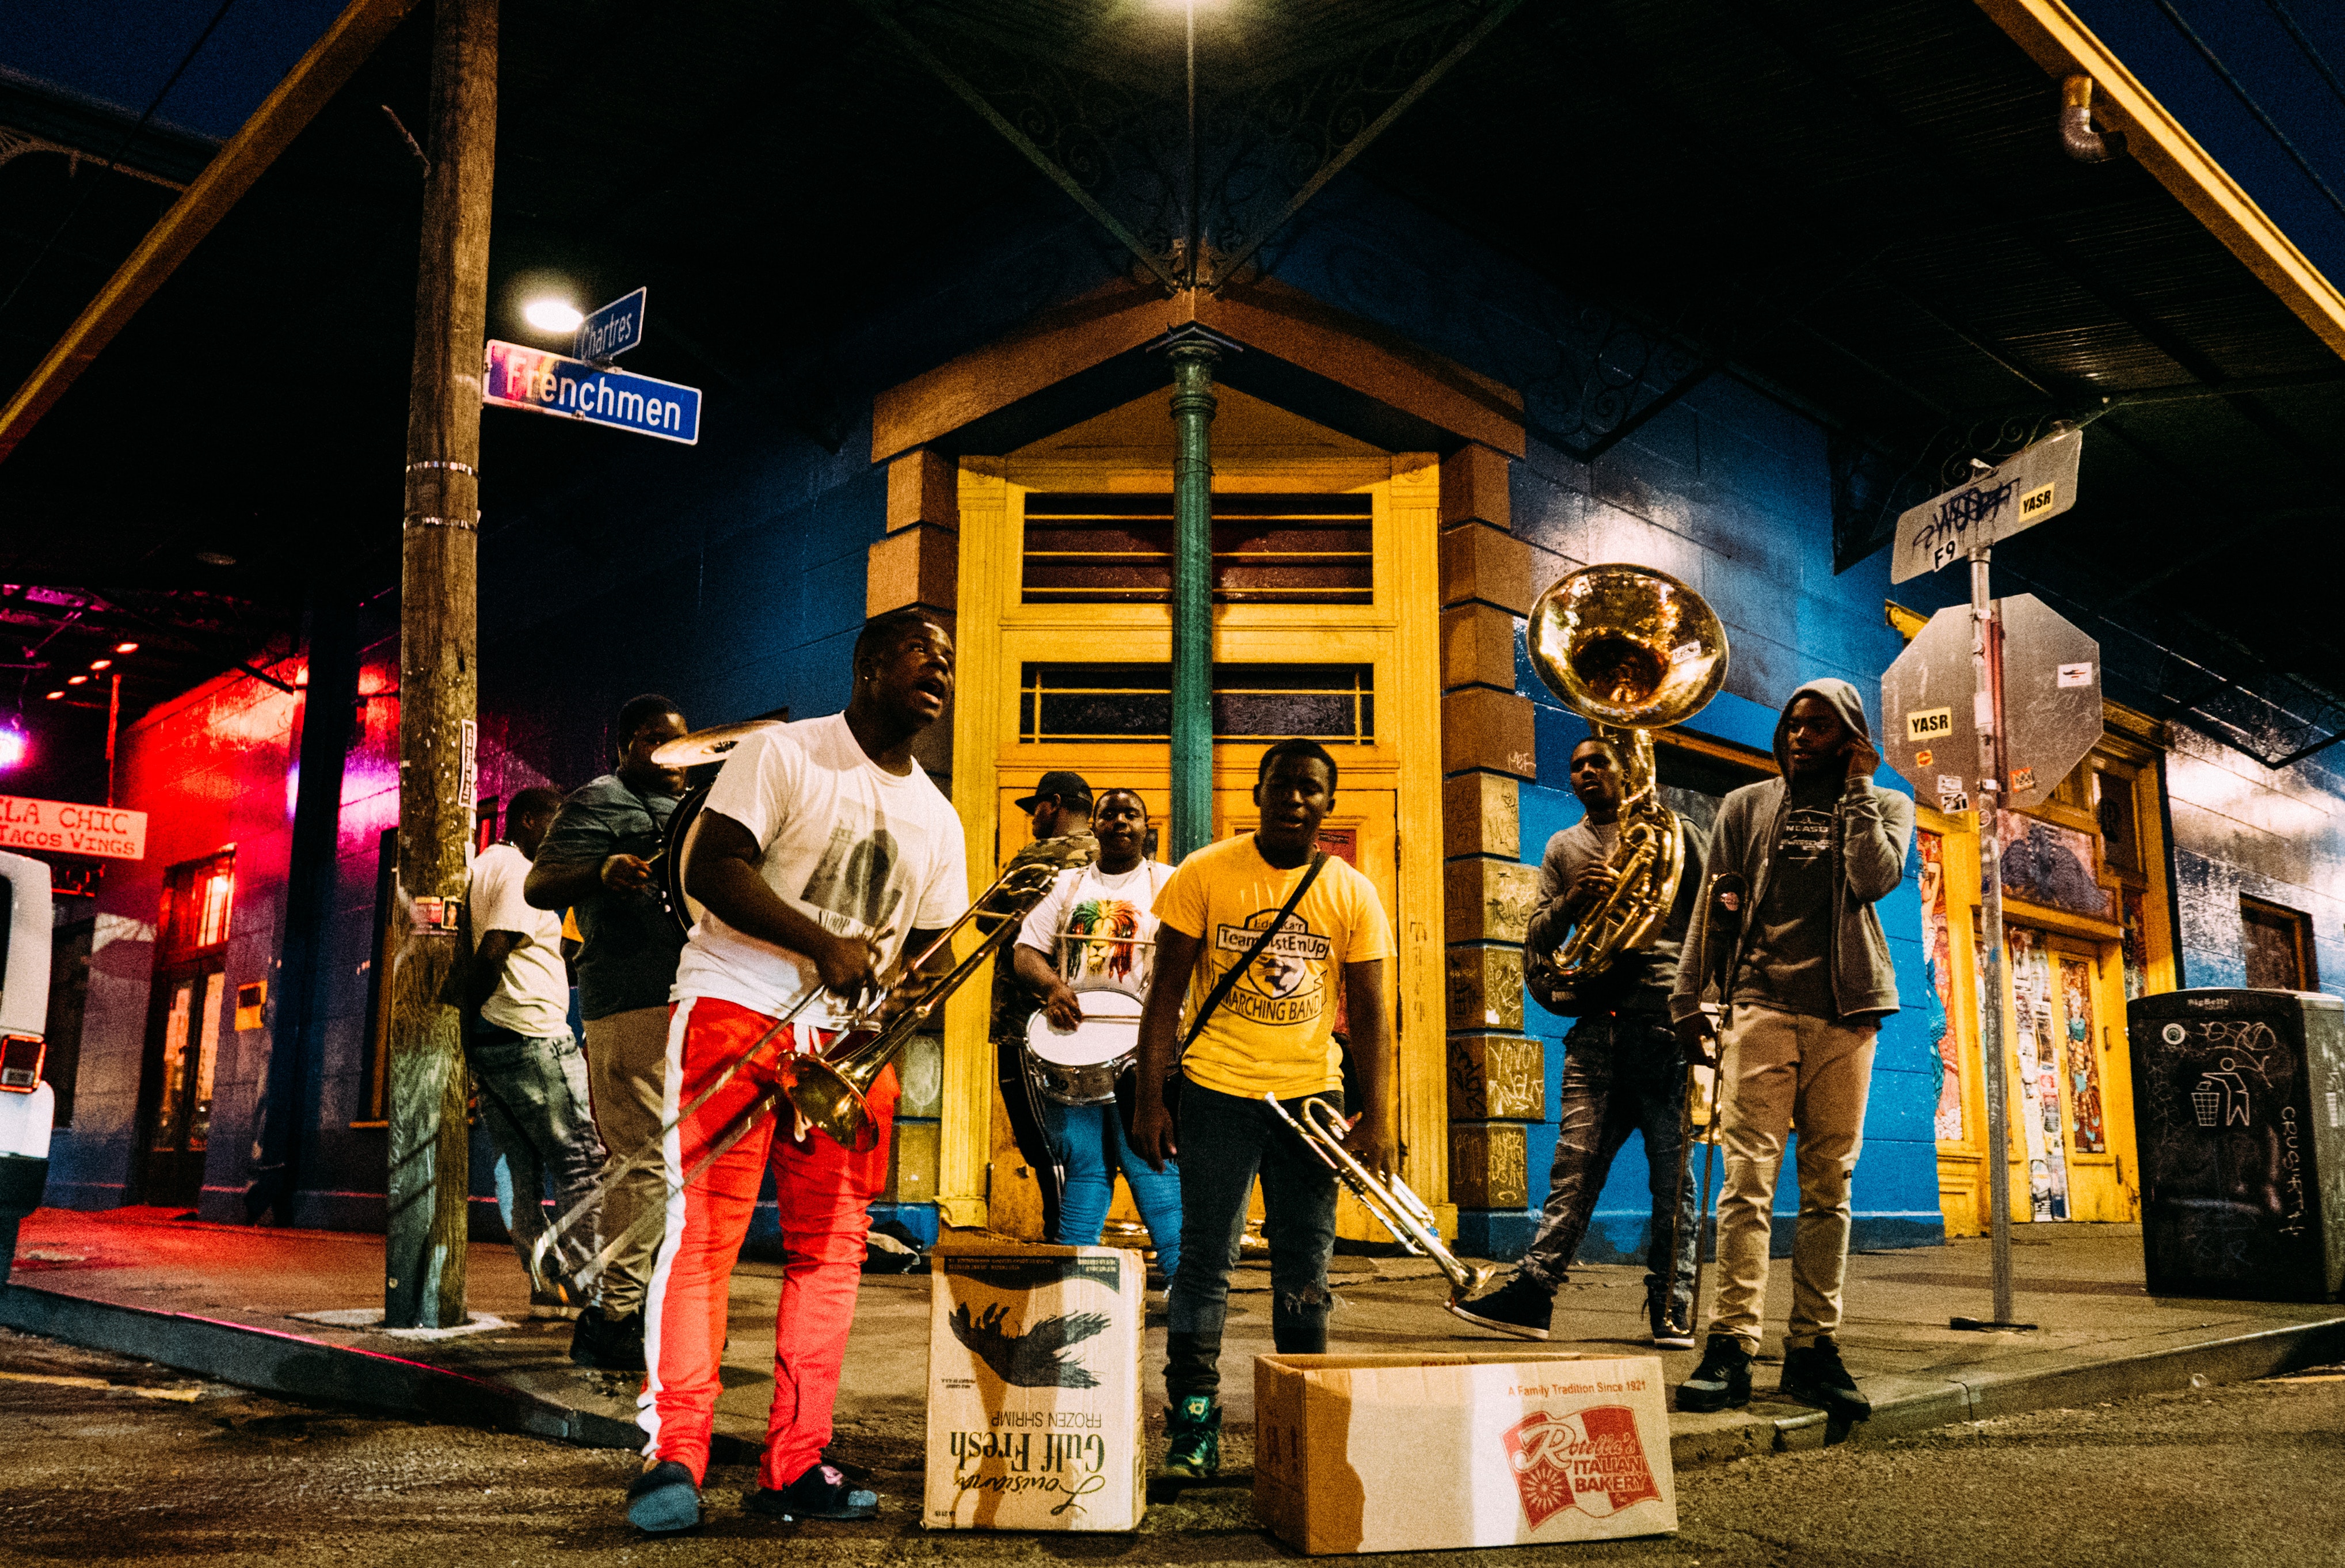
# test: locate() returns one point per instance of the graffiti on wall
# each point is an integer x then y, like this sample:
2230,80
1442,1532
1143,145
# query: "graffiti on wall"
2039,1073
1937,954
2085,1121
2054,866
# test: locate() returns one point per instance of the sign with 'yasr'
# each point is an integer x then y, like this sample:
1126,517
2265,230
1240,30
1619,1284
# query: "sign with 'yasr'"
72,828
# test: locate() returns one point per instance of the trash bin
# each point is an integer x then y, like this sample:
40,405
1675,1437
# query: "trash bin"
2239,1120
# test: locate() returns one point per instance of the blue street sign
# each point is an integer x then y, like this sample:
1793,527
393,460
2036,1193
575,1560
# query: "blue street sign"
613,330
543,383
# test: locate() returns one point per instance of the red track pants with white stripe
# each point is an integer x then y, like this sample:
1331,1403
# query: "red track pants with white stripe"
823,1192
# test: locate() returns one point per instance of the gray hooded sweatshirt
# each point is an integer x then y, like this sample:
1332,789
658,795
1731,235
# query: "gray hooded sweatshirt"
1871,829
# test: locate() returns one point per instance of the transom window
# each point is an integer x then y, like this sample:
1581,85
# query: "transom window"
1332,703
1114,548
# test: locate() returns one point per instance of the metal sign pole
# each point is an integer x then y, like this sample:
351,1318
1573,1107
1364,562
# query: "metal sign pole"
1986,662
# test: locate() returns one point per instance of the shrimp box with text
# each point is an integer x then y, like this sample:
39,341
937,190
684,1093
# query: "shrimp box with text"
1034,1389
1411,1453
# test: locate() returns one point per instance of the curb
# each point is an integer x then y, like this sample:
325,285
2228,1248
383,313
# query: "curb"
277,1363
1980,1392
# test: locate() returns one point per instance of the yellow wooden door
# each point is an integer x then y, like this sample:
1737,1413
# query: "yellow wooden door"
2067,1010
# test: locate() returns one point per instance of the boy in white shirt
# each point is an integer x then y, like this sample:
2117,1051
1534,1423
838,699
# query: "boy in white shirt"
823,855
528,1068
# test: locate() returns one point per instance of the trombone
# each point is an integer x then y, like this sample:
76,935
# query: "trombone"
1395,1205
828,1093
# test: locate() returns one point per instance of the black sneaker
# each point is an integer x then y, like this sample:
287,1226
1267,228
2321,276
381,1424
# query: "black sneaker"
608,1344
1814,1376
664,1499
822,1492
1722,1382
1521,1307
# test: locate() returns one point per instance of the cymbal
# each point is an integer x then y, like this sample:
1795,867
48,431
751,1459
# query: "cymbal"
710,745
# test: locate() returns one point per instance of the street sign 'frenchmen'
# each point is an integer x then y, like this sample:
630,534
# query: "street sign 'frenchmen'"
518,377
2019,493
71,827
613,330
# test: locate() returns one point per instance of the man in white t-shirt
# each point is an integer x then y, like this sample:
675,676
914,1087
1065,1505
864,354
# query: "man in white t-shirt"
823,855
1096,931
528,1069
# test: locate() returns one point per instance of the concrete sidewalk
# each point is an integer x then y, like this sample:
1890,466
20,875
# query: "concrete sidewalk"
230,1303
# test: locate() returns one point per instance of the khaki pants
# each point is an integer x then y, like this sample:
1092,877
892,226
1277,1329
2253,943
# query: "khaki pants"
1782,1069
626,1067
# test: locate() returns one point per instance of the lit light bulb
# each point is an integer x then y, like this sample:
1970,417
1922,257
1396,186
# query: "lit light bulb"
12,747
55,694
75,679
551,315
101,664
125,647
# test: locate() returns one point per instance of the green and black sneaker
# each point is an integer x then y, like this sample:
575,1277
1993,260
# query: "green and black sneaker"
1193,1438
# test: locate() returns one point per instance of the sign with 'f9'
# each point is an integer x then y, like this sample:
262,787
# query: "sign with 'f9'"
72,828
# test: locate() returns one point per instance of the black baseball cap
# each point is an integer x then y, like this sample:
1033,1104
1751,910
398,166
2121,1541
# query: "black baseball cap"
1068,786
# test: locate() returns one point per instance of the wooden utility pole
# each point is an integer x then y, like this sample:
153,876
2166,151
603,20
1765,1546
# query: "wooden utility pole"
439,632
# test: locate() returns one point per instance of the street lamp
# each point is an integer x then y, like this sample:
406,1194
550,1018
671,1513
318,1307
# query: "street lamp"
549,314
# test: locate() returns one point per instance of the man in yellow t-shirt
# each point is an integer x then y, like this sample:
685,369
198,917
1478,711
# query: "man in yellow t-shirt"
1273,1033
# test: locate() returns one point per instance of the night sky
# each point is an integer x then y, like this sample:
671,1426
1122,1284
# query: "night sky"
121,52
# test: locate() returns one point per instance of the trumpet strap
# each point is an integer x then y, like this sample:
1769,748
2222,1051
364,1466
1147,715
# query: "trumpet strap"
1230,975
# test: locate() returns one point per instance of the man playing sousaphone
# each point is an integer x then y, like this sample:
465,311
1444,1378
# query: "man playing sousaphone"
1623,1070
1087,951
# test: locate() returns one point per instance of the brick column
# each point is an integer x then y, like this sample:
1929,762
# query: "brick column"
1498,1078
917,563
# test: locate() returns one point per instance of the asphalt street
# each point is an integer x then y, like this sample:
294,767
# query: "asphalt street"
112,1460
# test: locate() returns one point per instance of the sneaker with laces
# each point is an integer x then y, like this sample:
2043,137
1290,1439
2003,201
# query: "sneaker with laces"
1813,1375
822,1492
1521,1307
1193,1438
1722,1382
664,1499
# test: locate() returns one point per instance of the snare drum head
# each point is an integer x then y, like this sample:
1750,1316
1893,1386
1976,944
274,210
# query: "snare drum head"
1109,1029
682,824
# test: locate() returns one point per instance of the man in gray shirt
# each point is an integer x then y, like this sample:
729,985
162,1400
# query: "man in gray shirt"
1623,1070
597,860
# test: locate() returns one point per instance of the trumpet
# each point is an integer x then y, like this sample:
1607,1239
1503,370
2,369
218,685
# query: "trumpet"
833,1090
1395,1205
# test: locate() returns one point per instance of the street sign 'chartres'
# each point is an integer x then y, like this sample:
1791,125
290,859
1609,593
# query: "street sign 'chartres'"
543,383
613,330
72,828
2019,493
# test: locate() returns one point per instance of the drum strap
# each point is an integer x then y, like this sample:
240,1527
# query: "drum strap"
1230,975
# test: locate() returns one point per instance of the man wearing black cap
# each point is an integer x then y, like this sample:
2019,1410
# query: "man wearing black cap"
1060,807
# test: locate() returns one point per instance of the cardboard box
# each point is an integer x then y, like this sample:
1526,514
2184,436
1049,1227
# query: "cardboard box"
1409,1453
1034,1389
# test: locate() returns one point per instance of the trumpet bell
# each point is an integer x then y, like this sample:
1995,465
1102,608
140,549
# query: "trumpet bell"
1628,646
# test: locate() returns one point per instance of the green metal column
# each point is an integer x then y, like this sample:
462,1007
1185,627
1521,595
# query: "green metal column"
1193,596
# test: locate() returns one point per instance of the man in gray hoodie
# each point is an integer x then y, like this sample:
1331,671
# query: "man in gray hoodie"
1810,981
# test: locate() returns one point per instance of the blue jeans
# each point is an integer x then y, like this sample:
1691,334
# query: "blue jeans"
533,1102
1225,1140
1620,1074
1089,1141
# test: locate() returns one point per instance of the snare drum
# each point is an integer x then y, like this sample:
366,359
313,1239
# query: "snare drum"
1078,1067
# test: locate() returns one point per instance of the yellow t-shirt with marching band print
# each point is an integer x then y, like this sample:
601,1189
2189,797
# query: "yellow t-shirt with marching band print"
1275,1032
